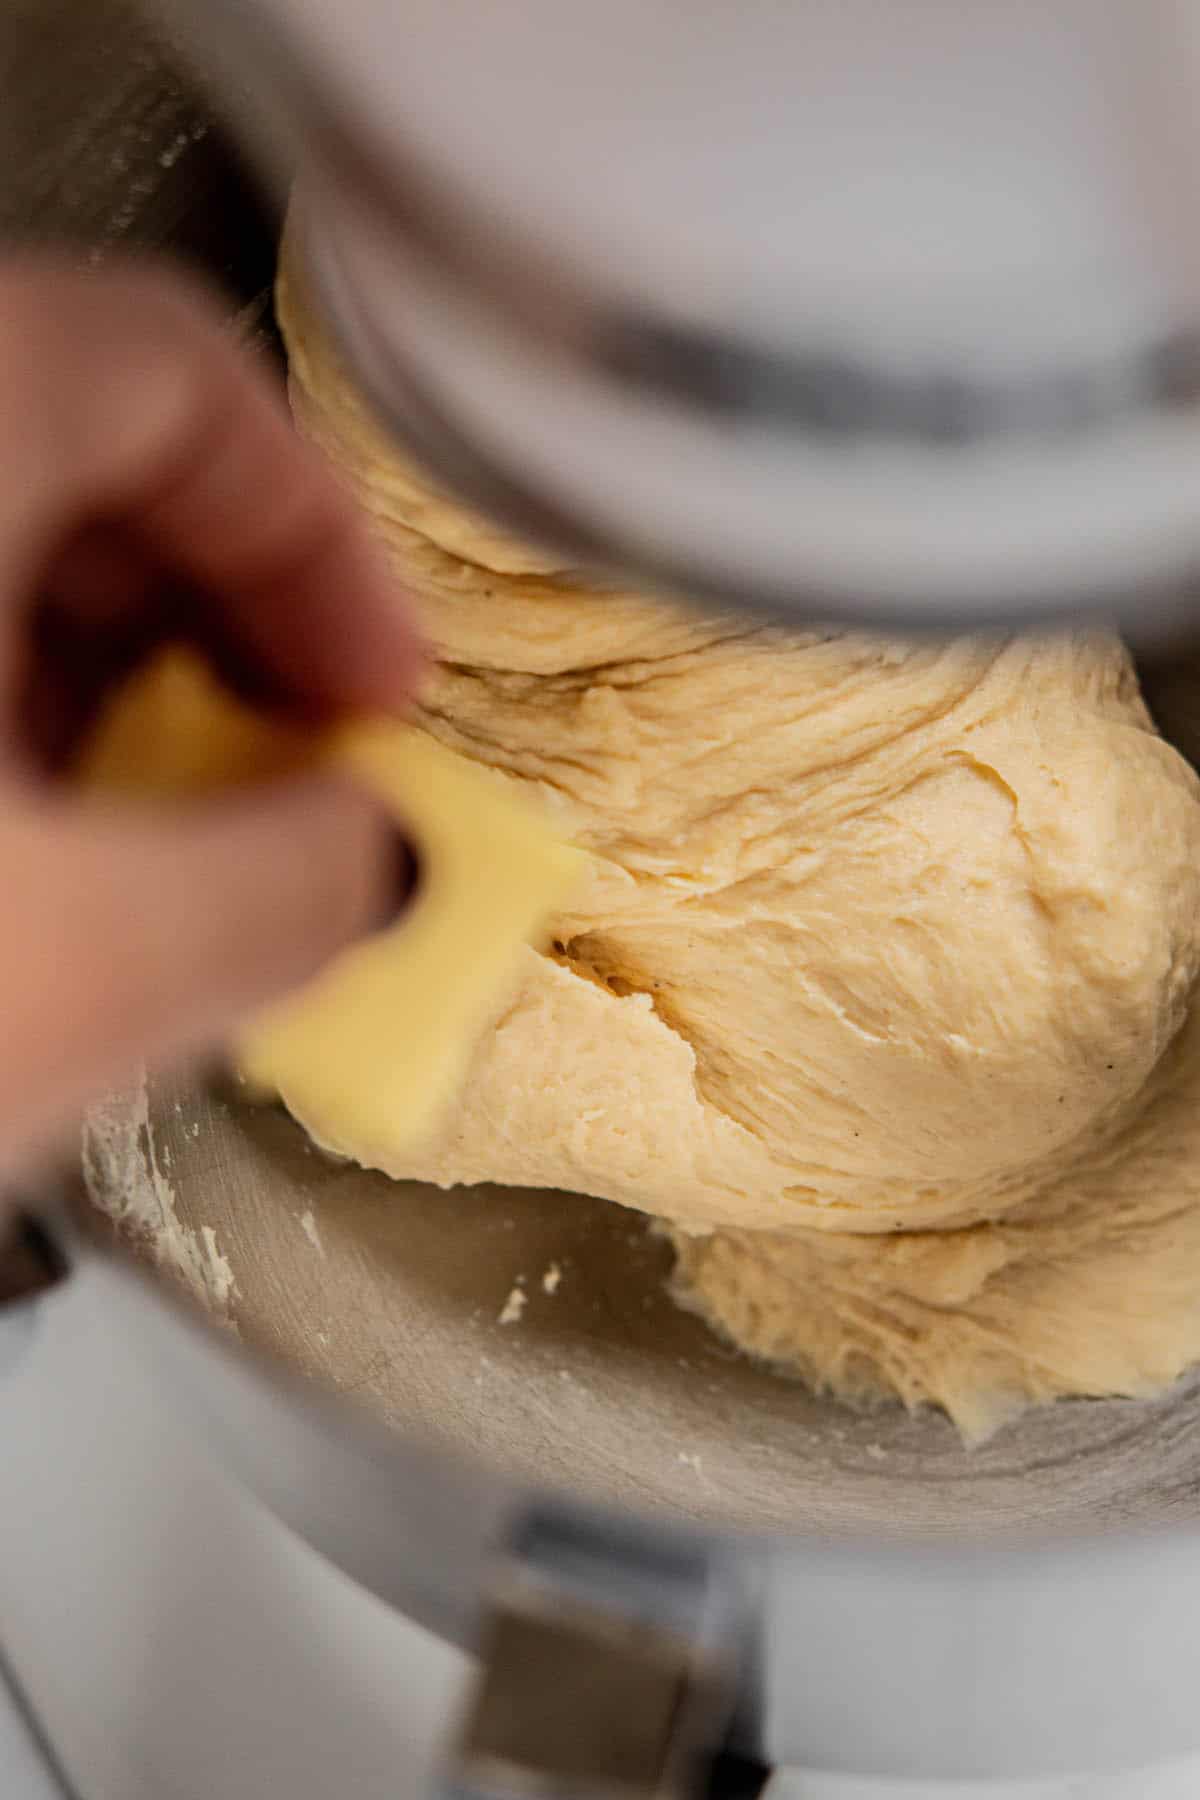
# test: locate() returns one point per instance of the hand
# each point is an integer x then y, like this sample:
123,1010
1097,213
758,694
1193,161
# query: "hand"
151,486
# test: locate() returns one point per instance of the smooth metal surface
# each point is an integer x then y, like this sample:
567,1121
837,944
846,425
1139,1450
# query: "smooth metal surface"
107,148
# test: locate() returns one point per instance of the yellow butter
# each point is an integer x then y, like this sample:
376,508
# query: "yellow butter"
372,1049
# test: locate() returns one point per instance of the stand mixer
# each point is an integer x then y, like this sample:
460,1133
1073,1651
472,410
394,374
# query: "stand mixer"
854,313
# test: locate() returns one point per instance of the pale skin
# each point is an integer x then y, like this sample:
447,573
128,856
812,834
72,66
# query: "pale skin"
151,486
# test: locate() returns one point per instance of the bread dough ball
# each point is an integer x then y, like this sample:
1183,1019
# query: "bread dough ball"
878,939
1086,1286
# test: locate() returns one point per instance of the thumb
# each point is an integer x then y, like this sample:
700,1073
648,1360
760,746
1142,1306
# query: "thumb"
136,934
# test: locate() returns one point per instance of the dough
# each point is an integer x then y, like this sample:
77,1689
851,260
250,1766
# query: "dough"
878,989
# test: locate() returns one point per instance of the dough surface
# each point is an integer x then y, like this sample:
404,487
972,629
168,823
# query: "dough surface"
878,990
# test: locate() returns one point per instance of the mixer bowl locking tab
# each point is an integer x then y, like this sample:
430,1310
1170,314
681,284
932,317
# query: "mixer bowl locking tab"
609,1669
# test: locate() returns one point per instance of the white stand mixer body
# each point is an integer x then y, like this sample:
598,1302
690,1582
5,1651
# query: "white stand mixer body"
854,310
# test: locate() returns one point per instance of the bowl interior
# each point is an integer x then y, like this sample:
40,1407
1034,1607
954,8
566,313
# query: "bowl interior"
533,1329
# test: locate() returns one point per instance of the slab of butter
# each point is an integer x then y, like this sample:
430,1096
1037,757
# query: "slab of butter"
370,1051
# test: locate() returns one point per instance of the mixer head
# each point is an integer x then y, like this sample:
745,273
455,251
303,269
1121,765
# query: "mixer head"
852,313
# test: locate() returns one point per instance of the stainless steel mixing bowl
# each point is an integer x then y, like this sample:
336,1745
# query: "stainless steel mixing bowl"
395,1293
916,1608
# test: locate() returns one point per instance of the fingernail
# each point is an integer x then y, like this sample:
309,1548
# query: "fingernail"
405,882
